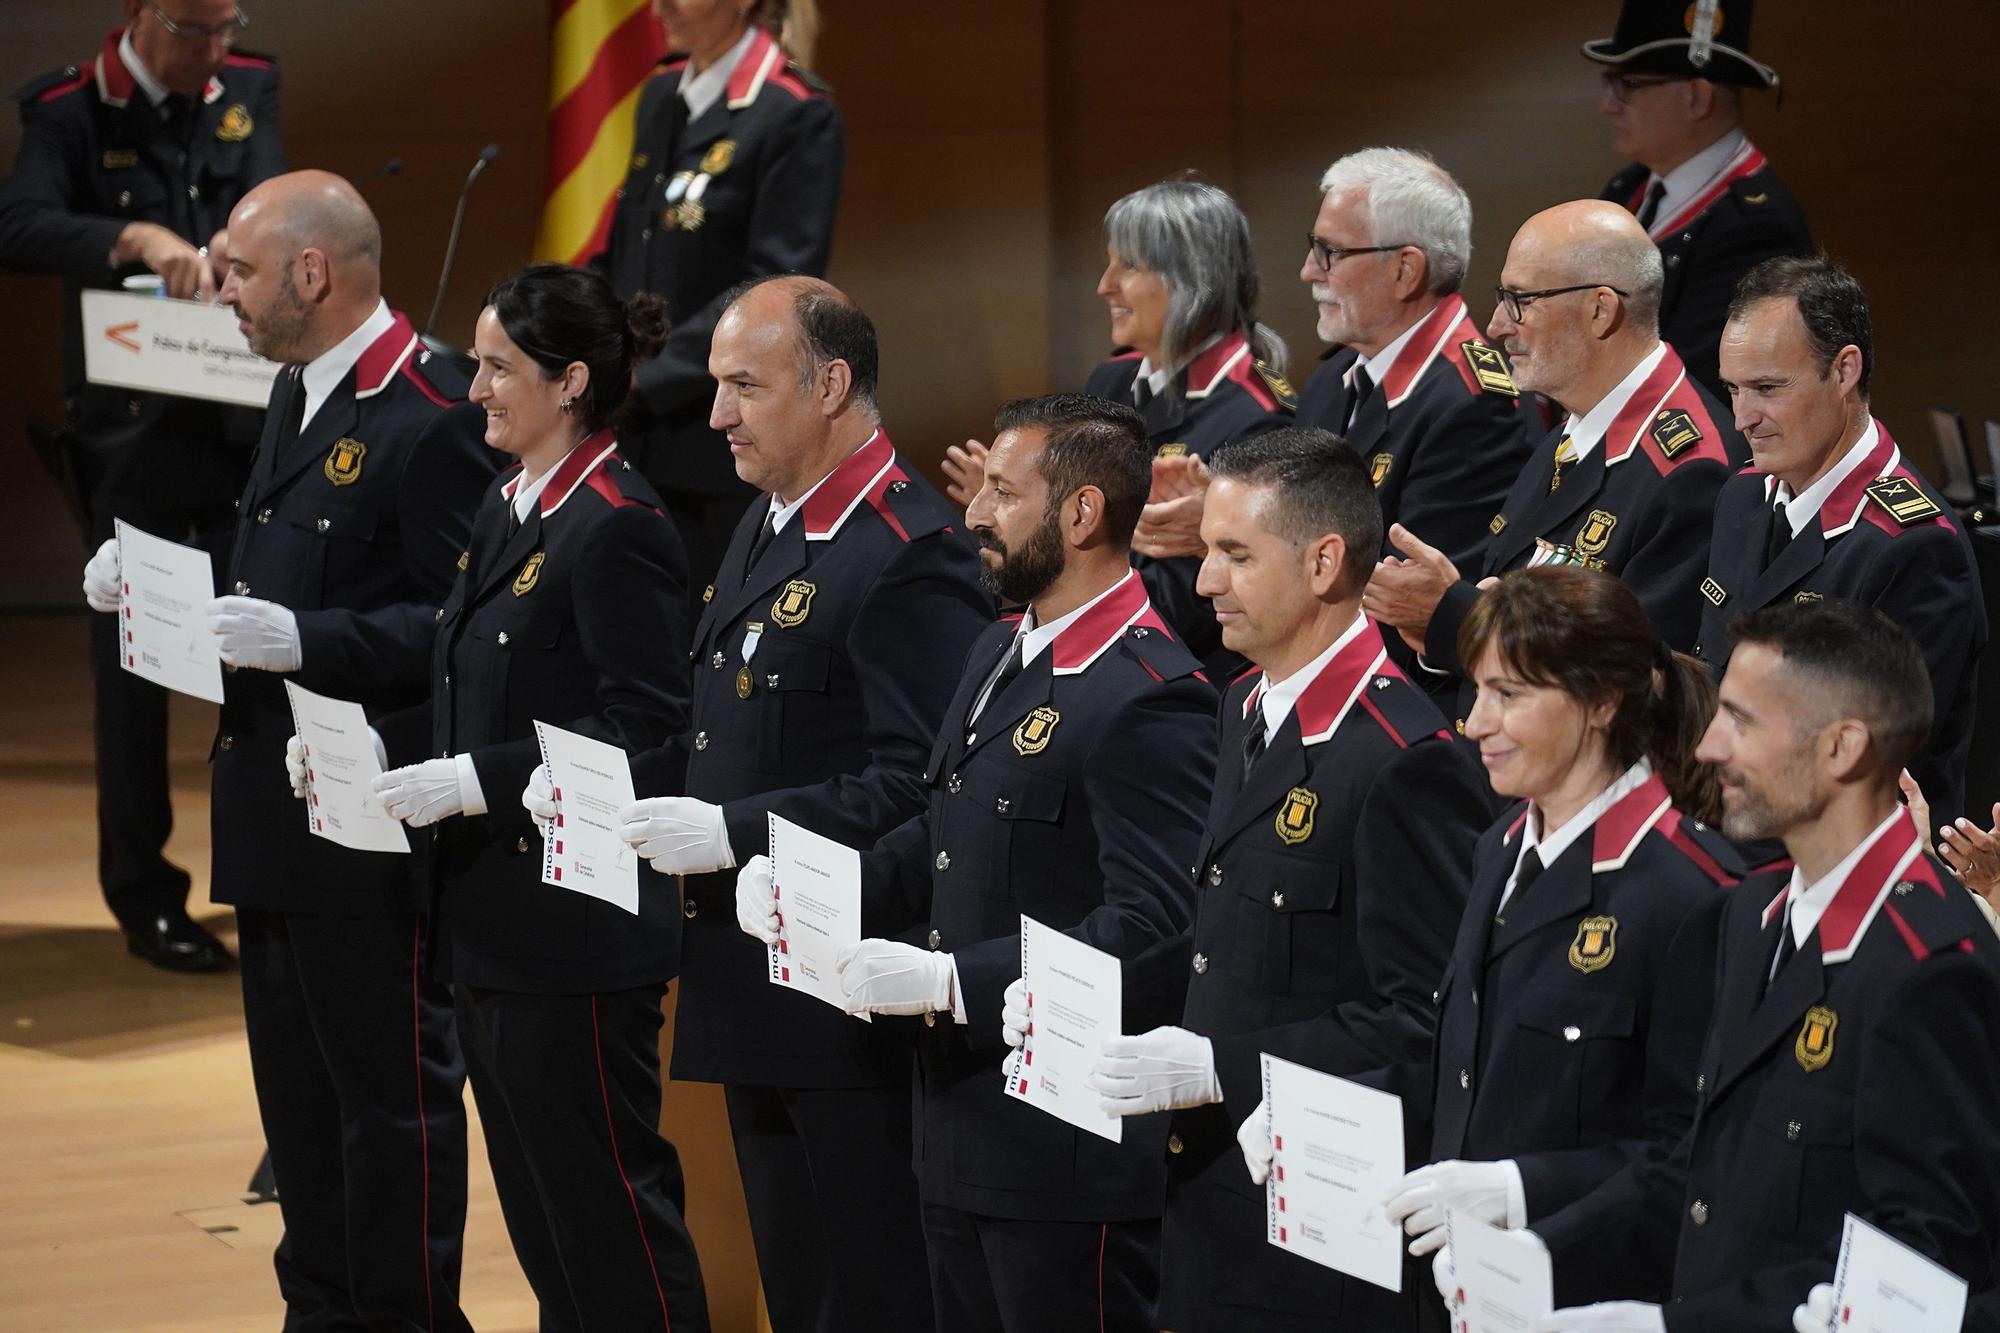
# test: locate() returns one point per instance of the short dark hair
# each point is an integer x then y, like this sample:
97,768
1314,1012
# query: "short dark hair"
1091,442
831,328
1319,485
559,315
1830,303
1856,662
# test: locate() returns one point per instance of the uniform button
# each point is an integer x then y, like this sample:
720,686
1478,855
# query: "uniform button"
689,908
124,198
1200,964
1174,1144
898,487
1002,805
1475,997
715,662
1572,1032
943,861
501,638
242,589
132,407
954,784
771,681
971,739
1700,1082
930,1020
226,743
701,740
423,358
194,192
440,615
1140,632
1697,650
646,235
323,524
520,844
1434,997
1277,900
936,939
447,680
1698,1214
263,516
1215,875
1792,1130
1465,1078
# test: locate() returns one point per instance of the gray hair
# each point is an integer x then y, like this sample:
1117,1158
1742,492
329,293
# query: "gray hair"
1197,239
1627,260
1411,201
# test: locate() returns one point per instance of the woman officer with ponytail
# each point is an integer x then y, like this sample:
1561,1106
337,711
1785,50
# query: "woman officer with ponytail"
1573,1009
571,609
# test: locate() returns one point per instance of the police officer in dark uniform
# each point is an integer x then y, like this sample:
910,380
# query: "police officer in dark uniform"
1573,1010
1673,91
1831,508
131,162
356,512
825,654
1067,783
571,610
736,173
1330,876
1849,1067
1626,484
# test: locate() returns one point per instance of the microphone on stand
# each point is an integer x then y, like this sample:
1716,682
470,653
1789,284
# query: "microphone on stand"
486,157
393,167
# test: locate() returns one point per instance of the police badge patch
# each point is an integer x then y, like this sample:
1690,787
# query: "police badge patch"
343,463
1595,534
794,604
717,159
1032,736
1295,816
524,582
1815,1044
1378,468
236,124
1595,945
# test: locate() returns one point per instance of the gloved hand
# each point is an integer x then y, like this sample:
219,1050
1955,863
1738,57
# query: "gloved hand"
101,577
756,902
1489,1191
677,834
251,632
1161,1070
1606,1317
1253,1136
421,794
884,977
538,798
1444,1276
295,765
1816,1315
1016,1020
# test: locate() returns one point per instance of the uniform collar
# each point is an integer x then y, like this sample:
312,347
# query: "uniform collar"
1621,416
323,374
826,507
1402,363
383,358
700,91
560,482
120,73
1700,181
758,62
1838,498
1850,896
1157,378
1332,686
1076,640
1213,363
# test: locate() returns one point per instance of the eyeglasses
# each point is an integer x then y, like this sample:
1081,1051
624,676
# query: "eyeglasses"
1622,86
197,34
1515,302
1326,256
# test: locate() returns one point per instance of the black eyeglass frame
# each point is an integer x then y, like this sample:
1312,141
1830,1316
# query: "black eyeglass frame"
1516,302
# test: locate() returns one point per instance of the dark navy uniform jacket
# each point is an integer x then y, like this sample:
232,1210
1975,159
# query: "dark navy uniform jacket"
1075,798
1882,537
1861,1080
357,527
95,156
857,619
1223,394
1708,243
1444,432
1570,1024
748,189
1329,884
577,619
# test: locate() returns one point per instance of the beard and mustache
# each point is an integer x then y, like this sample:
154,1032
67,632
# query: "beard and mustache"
1026,571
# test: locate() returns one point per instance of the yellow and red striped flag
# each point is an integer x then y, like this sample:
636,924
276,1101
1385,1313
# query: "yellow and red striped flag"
599,56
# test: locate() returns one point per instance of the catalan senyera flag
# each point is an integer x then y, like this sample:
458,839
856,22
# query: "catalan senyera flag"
599,56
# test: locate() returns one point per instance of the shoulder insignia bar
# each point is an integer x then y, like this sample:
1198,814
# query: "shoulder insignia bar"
1674,431
1490,368
1906,503
1280,387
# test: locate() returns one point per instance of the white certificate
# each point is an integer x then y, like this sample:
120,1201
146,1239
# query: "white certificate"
581,849
1505,1281
816,883
1336,1154
163,596
340,765
1076,993
190,349
1881,1285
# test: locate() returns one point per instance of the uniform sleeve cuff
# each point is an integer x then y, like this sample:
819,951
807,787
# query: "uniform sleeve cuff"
469,791
1517,1196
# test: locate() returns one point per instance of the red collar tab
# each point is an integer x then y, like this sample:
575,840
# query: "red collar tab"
1124,606
764,59
1857,902
1324,704
1635,418
1747,159
1207,371
847,485
576,468
1619,830
1843,508
381,359
1433,333
115,81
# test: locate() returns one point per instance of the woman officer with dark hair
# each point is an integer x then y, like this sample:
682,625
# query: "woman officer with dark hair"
1574,1005
571,609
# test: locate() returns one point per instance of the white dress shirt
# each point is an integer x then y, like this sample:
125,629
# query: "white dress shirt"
1553,844
1806,903
1587,431
700,91
1276,701
324,372
1805,506
1686,181
156,92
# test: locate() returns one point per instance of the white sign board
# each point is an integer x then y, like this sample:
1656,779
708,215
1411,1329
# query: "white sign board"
189,349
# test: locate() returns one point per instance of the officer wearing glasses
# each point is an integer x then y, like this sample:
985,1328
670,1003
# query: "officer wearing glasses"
1673,91
129,164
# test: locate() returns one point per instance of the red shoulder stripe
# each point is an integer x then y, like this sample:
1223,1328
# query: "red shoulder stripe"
247,61
425,387
600,482
1244,375
791,83
1676,833
878,498
63,89
1910,940
1376,713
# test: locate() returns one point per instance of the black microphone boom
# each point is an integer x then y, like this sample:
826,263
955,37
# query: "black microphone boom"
486,157
393,167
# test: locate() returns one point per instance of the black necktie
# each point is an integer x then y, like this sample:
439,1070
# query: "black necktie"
1010,666
1364,389
1142,392
1785,950
290,424
177,114
765,536
1255,742
1780,538
1651,208
1524,879
513,520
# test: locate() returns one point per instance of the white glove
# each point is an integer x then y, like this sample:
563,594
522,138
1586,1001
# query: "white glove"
1161,1070
1816,1315
757,902
884,977
421,794
1489,1191
538,798
295,765
1016,1018
1253,1136
677,834
251,632
1444,1276
101,577
1606,1317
